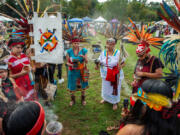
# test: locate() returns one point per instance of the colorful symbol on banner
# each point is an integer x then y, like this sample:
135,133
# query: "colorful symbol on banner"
48,40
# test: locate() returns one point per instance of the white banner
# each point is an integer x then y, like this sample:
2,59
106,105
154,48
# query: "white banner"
48,45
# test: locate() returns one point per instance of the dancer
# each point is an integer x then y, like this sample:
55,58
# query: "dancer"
148,66
153,113
76,61
26,118
19,66
111,73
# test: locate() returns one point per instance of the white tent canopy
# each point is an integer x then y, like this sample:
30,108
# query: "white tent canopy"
5,19
162,22
100,19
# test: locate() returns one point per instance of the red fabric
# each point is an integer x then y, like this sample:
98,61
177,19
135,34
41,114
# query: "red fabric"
143,48
121,126
178,115
145,68
16,64
169,112
111,74
132,102
19,43
75,40
39,123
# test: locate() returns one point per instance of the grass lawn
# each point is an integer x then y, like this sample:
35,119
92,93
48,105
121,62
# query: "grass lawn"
94,117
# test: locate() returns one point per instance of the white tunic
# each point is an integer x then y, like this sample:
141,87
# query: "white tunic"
107,89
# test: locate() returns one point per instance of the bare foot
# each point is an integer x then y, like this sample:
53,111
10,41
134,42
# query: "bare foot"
115,107
112,128
71,103
83,103
102,101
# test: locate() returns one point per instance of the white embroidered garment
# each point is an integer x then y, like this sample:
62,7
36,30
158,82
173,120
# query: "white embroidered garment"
107,89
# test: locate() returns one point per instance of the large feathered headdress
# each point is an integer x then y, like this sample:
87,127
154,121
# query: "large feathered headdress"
73,34
170,50
116,30
27,10
139,36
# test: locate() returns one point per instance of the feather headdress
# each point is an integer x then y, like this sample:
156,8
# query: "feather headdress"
27,10
117,31
170,50
172,19
70,34
138,36
173,80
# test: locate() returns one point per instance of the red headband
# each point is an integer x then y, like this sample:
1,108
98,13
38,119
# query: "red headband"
75,40
18,43
39,122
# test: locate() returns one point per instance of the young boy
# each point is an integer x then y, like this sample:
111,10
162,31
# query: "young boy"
7,85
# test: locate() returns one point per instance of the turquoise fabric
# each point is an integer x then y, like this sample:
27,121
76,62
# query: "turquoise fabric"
75,75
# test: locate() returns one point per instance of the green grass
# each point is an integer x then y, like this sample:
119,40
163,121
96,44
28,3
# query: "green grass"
94,117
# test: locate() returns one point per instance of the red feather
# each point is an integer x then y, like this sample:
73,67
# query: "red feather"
177,4
169,22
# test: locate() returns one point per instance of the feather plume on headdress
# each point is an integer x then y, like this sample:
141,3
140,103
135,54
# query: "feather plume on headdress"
117,31
27,9
138,36
173,80
170,50
143,38
71,35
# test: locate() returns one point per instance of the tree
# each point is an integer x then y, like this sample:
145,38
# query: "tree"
82,8
115,9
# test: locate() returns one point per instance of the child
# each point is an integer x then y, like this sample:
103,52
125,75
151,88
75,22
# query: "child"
8,86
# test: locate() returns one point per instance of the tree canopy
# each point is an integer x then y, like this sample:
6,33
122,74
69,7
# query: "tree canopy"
138,10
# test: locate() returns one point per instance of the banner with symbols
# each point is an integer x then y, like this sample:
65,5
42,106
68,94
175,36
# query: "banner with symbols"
47,33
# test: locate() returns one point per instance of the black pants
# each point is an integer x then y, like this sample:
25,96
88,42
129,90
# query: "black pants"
52,70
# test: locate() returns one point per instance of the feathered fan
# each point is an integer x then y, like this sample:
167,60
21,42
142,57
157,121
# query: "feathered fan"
27,7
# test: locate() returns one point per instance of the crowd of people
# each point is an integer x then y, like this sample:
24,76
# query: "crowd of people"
154,109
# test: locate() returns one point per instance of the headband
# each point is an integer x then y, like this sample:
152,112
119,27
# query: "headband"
16,43
39,122
75,40
4,67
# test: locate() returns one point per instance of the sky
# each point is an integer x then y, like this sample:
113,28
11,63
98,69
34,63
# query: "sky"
148,0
